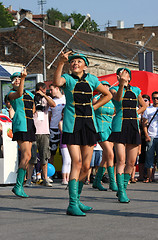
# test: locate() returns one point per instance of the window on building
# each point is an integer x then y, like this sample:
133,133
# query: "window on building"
7,50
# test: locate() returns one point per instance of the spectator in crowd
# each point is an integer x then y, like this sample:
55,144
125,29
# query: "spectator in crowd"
79,123
141,160
125,129
56,115
66,159
133,179
22,126
8,110
104,116
41,121
150,126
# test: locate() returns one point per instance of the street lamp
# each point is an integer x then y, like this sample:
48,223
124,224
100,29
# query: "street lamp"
41,3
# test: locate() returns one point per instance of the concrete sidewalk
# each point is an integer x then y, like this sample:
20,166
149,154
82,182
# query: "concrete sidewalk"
43,215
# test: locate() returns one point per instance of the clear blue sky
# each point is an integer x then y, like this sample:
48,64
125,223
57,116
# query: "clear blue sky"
101,11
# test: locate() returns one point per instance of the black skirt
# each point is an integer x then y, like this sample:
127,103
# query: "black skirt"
28,136
129,135
85,136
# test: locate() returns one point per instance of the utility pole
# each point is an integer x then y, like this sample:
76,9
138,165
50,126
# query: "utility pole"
41,3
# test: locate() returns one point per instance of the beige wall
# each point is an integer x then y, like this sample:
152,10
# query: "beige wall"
105,67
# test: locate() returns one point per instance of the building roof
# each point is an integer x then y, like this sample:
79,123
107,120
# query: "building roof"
3,72
39,16
24,10
95,45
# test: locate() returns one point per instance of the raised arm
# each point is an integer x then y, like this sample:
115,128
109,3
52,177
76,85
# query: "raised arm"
58,80
20,89
123,81
50,101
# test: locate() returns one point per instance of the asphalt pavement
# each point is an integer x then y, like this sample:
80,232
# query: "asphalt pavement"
43,215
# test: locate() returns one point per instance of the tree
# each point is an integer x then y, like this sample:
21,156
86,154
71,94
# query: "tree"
6,19
55,14
88,26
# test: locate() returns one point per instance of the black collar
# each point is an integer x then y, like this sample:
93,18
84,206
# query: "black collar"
80,79
128,87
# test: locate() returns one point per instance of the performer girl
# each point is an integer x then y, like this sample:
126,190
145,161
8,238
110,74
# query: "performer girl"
104,116
79,125
125,129
22,102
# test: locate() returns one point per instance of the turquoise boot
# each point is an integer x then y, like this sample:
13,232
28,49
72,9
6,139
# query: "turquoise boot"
112,185
73,208
127,177
83,207
122,197
97,181
18,189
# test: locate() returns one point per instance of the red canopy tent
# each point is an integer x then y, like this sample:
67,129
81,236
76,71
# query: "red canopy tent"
146,81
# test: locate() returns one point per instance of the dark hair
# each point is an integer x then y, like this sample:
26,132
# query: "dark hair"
146,96
40,85
51,85
6,98
154,93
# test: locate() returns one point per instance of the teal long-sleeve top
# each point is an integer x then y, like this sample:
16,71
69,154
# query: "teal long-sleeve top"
104,116
79,110
23,107
126,109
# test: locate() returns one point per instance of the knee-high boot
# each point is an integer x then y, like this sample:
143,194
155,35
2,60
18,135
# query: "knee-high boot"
97,181
122,197
18,188
83,207
112,184
73,208
127,177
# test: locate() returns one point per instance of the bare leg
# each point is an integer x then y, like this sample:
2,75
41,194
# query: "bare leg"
30,170
25,148
76,159
108,154
67,177
133,175
149,175
44,170
132,152
64,177
88,176
120,157
86,152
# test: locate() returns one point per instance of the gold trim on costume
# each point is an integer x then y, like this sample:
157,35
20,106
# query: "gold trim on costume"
135,99
84,116
83,104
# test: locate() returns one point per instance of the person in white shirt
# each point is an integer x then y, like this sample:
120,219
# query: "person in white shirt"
150,126
56,115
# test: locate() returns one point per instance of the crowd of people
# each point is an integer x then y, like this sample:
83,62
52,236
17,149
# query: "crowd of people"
114,130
